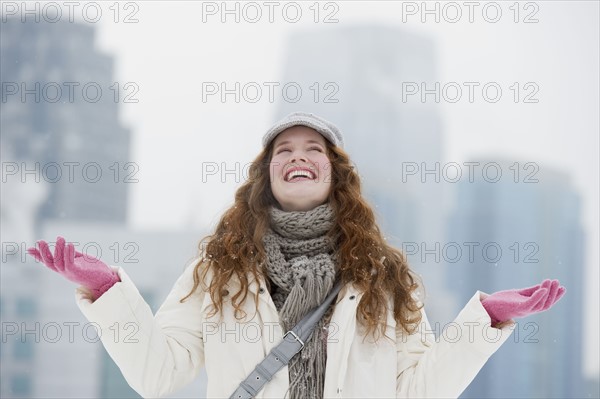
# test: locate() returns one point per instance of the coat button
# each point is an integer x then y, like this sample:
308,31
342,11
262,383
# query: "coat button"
261,290
352,297
224,293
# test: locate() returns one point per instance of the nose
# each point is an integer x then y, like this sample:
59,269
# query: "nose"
298,156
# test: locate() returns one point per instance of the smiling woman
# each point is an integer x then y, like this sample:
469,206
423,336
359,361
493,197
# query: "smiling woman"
298,224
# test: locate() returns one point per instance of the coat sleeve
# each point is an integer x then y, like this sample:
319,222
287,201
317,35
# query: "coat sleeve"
430,368
157,354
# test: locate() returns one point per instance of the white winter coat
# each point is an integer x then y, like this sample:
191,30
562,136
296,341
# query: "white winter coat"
158,354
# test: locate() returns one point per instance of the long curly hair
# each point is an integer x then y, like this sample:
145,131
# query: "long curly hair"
365,259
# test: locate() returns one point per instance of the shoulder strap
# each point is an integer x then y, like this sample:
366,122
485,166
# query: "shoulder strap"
292,343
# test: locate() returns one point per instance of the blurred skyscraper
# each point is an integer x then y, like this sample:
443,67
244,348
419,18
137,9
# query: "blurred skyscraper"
522,232
59,106
354,77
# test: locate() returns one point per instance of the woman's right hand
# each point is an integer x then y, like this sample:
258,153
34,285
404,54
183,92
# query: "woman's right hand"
82,269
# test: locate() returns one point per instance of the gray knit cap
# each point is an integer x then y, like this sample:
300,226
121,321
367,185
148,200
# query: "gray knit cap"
321,125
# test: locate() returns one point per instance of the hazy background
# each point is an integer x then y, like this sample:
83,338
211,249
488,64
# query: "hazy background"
183,151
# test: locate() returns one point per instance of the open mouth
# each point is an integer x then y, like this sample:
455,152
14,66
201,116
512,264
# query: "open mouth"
299,174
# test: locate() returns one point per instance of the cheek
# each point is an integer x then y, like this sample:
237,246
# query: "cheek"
325,168
274,169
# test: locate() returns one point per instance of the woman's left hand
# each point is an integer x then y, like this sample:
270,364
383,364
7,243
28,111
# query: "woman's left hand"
505,305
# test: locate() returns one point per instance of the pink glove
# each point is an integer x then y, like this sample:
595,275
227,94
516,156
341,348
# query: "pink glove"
505,305
86,270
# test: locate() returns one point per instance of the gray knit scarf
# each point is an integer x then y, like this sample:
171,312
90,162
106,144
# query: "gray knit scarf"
302,266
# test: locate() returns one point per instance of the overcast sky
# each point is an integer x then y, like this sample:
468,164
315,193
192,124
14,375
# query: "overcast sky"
171,51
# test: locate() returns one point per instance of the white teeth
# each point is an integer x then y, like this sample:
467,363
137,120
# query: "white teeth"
299,172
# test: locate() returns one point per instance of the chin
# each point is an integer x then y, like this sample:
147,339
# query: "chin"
299,198
301,207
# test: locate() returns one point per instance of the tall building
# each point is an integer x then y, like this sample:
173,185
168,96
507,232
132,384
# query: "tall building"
354,76
60,115
522,232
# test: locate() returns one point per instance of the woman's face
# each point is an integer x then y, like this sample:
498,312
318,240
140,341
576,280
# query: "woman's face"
300,171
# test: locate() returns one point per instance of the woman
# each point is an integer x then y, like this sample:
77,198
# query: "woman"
297,224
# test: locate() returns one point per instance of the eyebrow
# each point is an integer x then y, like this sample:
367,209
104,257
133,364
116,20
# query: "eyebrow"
287,142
